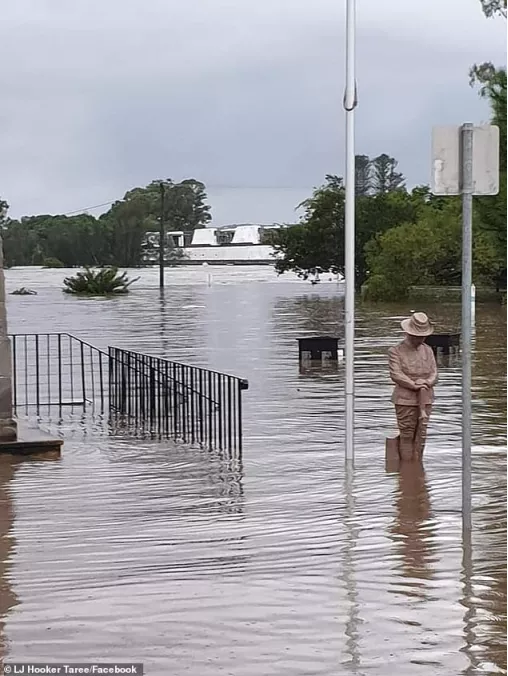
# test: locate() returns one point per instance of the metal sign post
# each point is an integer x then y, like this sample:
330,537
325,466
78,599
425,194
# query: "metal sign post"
465,161
467,279
350,102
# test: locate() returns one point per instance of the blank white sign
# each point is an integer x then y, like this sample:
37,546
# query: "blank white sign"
446,169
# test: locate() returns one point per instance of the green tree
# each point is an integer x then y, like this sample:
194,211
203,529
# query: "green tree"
317,243
385,178
363,178
185,207
492,87
421,253
490,211
4,208
19,243
494,7
73,240
125,225
113,239
427,252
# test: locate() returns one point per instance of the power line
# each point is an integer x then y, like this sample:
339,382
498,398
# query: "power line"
207,188
96,206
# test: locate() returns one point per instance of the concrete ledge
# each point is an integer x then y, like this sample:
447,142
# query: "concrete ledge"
32,441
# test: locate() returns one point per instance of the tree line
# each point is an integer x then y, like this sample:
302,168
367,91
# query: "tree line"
114,238
404,238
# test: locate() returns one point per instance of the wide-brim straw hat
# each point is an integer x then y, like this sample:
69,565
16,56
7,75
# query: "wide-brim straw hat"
417,325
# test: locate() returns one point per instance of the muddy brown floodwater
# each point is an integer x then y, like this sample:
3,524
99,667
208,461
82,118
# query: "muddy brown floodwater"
279,562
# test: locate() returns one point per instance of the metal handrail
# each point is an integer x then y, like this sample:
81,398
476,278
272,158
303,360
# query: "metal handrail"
139,391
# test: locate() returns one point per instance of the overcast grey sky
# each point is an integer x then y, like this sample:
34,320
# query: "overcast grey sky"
99,96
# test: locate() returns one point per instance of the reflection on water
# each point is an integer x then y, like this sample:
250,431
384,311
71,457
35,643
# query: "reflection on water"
8,598
279,561
412,528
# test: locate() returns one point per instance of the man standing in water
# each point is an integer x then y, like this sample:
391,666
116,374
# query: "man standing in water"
413,369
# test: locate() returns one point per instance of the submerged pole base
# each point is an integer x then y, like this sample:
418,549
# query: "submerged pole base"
392,454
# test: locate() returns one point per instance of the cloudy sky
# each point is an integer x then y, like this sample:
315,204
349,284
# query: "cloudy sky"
99,96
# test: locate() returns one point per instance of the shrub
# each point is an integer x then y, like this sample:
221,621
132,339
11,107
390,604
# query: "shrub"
104,282
52,263
380,288
23,292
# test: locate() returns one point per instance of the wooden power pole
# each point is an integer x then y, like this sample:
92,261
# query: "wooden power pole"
162,239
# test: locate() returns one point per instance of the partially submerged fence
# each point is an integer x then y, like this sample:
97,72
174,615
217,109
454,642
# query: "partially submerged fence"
57,370
140,393
176,400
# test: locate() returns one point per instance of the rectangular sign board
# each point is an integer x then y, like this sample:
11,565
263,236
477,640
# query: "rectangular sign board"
446,160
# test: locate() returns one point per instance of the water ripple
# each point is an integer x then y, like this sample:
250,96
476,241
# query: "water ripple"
279,562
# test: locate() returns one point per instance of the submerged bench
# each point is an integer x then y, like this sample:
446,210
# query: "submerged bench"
443,341
318,348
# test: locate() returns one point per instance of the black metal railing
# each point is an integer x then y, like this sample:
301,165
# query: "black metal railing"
58,370
141,393
176,400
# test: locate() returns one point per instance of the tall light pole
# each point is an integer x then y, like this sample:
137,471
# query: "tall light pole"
350,102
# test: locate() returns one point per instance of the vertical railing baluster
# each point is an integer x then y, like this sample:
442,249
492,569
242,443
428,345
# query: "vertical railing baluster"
101,379
72,369
119,396
48,367
145,380
221,412
26,374
124,390
176,403
229,389
136,382
83,377
138,376
14,373
92,378
152,394
111,380
185,402
200,406
216,411
128,383
37,374
240,413
192,406
160,397
235,411
167,399
59,366
114,369
210,408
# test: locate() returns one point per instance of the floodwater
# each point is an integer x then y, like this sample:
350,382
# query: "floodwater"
280,562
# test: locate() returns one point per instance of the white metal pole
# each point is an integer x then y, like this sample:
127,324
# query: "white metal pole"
349,222
467,250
